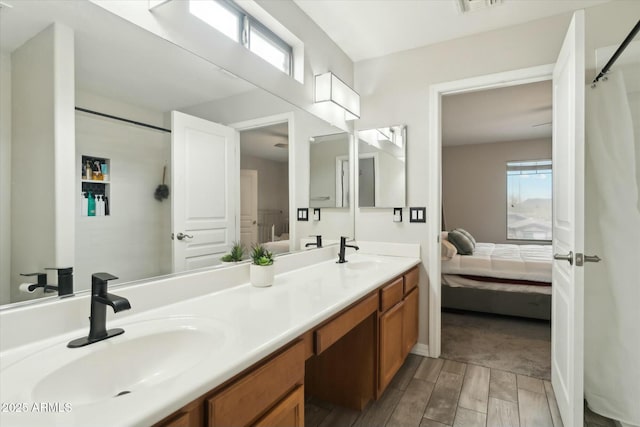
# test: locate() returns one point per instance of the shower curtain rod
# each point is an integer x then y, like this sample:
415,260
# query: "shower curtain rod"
618,52
133,122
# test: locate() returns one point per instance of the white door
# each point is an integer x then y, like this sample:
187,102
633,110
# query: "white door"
567,322
204,183
248,207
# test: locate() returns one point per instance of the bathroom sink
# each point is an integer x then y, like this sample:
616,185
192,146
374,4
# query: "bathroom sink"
364,265
147,354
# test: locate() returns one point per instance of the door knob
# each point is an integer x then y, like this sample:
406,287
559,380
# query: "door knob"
181,236
568,257
592,258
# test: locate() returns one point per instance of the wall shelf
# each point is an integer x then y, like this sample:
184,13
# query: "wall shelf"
97,187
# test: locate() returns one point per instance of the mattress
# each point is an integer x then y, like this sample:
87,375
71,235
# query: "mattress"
504,261
455,281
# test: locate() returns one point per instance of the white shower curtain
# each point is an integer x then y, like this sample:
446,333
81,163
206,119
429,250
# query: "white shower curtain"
612,287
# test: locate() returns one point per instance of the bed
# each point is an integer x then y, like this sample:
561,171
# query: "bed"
496,278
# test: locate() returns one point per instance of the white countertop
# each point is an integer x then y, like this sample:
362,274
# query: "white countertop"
252,323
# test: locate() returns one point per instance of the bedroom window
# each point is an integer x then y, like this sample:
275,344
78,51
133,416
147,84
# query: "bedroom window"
529,197
231,20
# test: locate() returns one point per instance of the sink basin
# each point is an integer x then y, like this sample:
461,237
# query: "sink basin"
147,354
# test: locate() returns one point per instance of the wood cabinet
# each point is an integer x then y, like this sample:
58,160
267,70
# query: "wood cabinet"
410,322
288,413
391,345
265,393
398,325
348,359
256,392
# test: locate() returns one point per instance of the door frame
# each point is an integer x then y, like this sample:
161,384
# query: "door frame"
267,121
434,168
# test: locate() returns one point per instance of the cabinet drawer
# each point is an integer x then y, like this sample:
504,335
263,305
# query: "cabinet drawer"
328,334
287,413
253,394
391,294
411,278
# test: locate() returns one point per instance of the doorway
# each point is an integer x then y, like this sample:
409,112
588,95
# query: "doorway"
496,185
264,184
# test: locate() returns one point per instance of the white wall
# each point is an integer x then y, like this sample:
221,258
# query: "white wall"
42,139
474,185
134,241
395,89
5,178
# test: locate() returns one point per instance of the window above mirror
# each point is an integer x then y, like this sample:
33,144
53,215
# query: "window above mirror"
234,22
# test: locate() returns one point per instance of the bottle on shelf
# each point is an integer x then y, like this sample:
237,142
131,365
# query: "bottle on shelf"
88,171
100,205
105,171
91,203
84,205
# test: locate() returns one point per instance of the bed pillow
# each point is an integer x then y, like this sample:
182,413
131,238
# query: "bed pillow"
463,245
468,236
444,235
448,250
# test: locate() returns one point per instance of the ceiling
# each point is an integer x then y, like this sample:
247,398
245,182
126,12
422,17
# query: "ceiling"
260,142
513,113
366,29
107,63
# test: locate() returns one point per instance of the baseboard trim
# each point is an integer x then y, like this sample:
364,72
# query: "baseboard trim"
420,350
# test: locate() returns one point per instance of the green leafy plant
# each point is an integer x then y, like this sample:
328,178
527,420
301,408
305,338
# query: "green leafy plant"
261,256
236,254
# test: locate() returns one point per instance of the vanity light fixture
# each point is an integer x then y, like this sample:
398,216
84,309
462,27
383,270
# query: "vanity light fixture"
330,88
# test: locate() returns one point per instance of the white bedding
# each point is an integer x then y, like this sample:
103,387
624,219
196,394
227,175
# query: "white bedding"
519,262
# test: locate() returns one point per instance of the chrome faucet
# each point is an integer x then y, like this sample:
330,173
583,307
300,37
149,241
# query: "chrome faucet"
317,244
98,320
343,246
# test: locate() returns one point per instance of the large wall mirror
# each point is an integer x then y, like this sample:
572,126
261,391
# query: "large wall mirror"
156,210
329,171
382,167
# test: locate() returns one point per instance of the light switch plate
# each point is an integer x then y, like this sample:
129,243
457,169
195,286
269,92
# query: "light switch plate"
397,214
418,214
316,214
303,214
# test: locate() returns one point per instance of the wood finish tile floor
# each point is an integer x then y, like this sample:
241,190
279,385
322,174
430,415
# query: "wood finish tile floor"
430,392
437,392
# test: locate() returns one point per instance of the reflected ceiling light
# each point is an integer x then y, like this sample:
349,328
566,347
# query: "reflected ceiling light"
330,88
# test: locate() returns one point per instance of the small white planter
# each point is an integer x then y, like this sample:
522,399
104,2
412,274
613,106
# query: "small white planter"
261,276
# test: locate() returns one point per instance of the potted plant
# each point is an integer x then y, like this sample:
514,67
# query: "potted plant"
236,254
261,271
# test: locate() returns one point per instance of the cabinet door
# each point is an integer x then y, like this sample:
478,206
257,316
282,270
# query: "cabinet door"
391,345
410,322
288,413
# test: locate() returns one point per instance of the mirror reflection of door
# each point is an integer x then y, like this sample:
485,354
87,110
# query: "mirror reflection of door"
248,207
367,182
203,219
264,198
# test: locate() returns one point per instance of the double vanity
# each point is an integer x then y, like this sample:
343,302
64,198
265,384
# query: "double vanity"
237,355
